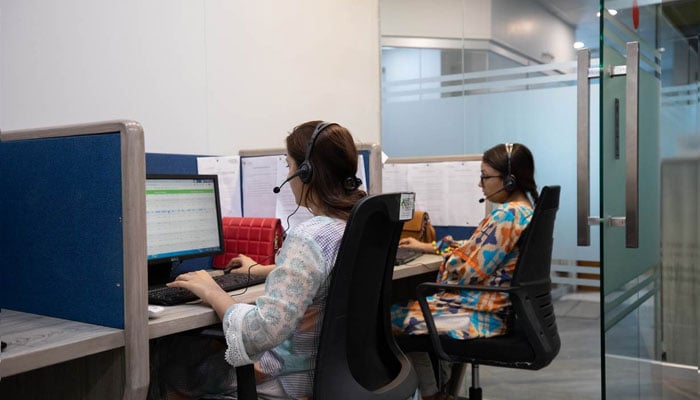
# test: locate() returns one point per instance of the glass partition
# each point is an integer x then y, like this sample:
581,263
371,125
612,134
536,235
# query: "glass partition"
461,76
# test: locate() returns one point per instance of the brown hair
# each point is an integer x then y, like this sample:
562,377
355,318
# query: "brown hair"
522,166
334,165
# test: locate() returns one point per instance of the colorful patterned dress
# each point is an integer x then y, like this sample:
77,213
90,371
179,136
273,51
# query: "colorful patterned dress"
487,258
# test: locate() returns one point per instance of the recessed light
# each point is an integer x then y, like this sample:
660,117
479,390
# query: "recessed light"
579,45
612,12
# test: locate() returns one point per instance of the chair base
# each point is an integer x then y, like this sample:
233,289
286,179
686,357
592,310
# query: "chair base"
475,393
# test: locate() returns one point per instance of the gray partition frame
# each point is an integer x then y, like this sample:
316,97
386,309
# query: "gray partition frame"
133,167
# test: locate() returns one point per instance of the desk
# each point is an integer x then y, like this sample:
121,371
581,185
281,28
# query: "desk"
35,341
427,263
184,317
36,345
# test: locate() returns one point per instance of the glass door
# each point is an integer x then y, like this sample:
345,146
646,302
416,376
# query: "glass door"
608,104
638,144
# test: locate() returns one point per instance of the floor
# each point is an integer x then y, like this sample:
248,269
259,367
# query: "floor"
576,372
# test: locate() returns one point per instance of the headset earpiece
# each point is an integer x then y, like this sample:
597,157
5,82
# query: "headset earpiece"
509,183
305,170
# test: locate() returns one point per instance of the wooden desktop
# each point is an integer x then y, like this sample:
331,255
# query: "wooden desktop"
43,349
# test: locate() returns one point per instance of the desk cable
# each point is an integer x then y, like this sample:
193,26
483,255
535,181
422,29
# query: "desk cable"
245,289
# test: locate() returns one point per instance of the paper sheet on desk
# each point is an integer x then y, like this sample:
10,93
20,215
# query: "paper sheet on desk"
448,191
228,171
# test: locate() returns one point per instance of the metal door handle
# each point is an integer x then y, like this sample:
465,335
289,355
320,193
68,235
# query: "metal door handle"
631,219
632,147
583,230
608,221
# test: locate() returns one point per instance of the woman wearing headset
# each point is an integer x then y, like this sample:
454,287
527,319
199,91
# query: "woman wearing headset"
280,332
488,257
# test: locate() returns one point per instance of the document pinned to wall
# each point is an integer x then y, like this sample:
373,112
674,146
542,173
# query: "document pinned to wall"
260,174
286,208
228,171
447,190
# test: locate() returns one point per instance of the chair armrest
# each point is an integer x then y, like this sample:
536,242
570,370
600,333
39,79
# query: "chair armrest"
245,374
245,381
426,288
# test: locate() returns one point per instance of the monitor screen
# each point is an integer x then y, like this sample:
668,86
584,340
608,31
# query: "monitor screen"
183,217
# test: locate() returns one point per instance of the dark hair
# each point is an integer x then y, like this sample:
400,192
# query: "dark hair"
522,166
334,165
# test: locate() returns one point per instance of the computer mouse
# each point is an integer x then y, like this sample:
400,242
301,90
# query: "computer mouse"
155,311
233,264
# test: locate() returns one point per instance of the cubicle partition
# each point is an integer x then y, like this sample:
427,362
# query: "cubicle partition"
73,245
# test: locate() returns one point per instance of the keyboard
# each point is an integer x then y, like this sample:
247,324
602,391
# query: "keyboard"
170,296
405,255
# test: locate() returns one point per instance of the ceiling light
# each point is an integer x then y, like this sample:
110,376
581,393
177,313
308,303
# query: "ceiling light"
579,45
612,12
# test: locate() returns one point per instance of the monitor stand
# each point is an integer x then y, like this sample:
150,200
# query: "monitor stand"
162,272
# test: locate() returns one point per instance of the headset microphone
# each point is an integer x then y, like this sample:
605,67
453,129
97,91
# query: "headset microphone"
483,199
277,189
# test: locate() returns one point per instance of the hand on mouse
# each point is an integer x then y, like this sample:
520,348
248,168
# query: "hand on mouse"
242,261
416,244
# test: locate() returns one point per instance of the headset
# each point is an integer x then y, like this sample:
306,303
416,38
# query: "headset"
509,183
305,170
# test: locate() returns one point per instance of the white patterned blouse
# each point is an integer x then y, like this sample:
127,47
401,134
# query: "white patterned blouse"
280,332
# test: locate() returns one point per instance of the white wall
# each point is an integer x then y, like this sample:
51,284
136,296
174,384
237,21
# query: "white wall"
202,76
522,25
530,29
455,19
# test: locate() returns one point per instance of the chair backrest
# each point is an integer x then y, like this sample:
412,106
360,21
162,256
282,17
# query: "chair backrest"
532,300
358,356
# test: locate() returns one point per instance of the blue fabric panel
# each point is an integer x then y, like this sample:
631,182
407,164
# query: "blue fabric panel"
61,251
365,158
160,163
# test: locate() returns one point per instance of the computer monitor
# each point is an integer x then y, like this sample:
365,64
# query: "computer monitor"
183,220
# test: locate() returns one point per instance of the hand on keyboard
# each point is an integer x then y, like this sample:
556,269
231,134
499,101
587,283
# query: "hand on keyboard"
178,292
198,282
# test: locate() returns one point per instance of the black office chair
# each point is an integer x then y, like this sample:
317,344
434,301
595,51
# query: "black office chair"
358,357
532,340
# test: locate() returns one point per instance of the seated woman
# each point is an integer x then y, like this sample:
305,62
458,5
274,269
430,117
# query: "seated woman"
488,257
280,332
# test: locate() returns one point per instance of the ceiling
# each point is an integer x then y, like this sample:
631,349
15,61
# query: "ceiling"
683,14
